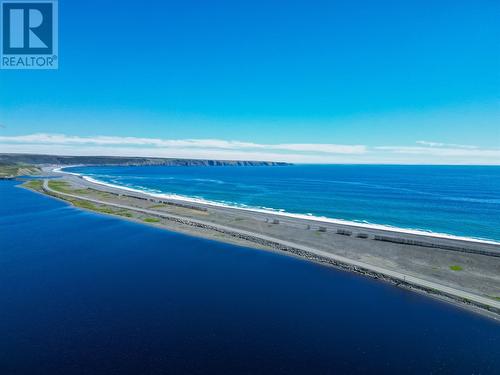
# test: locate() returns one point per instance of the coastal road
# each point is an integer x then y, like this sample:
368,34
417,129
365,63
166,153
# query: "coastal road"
419,283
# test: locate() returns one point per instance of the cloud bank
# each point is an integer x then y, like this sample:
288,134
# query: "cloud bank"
61,139
425,152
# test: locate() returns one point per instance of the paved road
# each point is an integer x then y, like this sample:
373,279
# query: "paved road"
452,292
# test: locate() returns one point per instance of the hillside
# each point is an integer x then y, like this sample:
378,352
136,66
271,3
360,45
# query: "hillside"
33,159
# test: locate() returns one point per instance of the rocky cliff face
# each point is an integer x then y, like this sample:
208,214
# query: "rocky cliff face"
112,160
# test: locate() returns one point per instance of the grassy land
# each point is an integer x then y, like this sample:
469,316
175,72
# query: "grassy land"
34,184
456,268
151,220
64,187
59,186
100,208
9,171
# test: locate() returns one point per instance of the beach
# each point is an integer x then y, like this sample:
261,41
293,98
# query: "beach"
450,202
463,271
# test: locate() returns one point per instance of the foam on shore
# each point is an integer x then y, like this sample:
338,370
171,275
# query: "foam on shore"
280,212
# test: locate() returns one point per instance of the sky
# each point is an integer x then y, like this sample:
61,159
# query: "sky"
302,81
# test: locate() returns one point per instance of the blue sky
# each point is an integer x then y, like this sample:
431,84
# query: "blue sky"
302,81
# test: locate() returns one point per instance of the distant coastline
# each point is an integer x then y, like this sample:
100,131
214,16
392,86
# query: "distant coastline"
61,160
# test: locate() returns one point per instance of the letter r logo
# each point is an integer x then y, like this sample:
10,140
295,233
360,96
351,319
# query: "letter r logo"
29,31
27,28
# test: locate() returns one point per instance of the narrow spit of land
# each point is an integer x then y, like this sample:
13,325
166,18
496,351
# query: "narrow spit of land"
464,272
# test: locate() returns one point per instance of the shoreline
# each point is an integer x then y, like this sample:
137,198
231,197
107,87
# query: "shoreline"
256,244
279,212
326,255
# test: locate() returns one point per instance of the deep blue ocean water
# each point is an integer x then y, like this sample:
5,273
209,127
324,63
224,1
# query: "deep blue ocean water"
82,293
457,200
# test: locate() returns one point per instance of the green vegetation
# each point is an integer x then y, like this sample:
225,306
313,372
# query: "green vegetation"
8,170
101,209
64,187
125,213
84,204
34,184
61,186
456,268
15,170
151,220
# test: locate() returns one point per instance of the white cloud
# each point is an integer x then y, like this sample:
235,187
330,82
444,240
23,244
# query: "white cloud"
440,144
183,153
61,139
425,153
441,151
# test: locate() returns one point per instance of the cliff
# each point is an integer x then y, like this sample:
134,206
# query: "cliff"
32,159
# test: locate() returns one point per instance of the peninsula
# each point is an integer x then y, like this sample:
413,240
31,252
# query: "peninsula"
464,272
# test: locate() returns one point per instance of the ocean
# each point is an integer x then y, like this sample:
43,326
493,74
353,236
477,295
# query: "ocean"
451,200
83,293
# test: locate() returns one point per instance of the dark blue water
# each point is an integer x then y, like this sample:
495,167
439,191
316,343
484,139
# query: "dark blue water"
87,294
457,200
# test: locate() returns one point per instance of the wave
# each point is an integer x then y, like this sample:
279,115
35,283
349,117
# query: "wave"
473,200
281,212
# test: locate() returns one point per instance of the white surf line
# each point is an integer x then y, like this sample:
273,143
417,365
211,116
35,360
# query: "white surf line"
320,219
421,283
60,169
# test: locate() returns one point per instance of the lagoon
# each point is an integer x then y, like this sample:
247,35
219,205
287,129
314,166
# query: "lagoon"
86,293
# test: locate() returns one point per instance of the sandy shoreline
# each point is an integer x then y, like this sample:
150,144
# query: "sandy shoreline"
320,219
422,263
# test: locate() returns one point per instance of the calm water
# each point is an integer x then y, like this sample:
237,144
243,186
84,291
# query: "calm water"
457,200
87,294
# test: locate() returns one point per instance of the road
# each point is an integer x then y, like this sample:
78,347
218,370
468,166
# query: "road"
394,275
